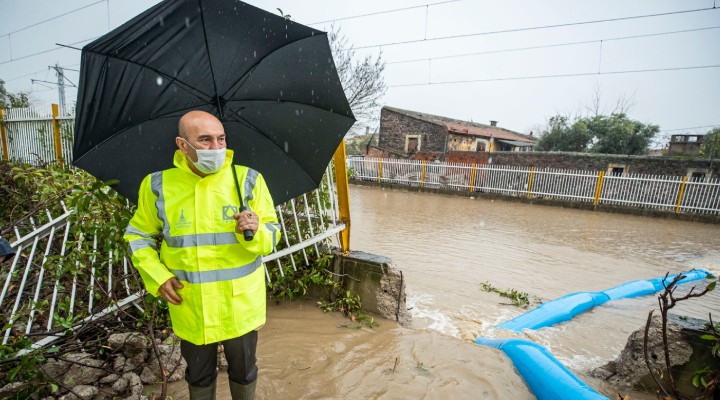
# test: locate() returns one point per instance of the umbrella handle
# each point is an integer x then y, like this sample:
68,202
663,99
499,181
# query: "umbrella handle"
247,233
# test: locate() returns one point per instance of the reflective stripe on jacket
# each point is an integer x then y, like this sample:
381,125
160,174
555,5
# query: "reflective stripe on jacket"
224,283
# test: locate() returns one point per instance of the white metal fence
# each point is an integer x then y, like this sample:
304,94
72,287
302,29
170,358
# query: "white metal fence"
668,193
36,135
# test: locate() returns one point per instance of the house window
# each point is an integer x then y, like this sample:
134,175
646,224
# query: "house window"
481,145
692,139
678,138
698,174
616,169
412,143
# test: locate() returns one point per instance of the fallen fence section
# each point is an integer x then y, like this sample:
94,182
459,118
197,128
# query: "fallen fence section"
655,192
44,304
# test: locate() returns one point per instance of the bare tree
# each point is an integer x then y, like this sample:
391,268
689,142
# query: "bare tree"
362,78
623,105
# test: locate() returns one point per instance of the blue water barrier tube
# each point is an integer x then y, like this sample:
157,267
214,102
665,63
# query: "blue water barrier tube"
543,373
567,307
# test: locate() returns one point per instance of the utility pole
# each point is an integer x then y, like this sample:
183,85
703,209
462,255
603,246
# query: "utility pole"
61,86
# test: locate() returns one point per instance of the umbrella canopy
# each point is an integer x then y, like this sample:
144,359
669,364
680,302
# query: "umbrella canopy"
272,82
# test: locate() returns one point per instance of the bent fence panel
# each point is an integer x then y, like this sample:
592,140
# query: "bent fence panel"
43,295
664,193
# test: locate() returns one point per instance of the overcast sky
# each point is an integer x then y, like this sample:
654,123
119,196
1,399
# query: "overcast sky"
431,50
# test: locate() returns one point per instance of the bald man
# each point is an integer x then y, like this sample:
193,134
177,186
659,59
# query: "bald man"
209,272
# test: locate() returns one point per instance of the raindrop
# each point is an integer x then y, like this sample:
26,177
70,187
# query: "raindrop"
162,21
254,54
159,80
312,92
187,22
297,112
287,147
281,93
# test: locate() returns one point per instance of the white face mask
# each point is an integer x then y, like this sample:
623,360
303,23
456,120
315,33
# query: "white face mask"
209,161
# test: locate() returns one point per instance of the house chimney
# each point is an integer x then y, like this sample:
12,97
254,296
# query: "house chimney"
493,123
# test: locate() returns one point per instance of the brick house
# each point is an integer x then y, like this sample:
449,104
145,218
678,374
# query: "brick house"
416,135
688,145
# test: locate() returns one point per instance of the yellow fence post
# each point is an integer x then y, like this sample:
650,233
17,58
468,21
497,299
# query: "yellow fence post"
56,134
680,195
472,177
598,187
3,137
422,178
380,170
530,179
341,182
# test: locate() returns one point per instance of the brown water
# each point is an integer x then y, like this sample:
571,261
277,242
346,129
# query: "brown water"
447,246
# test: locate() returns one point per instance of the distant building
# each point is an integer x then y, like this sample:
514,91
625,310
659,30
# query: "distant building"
685,144
411,134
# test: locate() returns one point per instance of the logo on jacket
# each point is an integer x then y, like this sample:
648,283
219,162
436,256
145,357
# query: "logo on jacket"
228,211
182,222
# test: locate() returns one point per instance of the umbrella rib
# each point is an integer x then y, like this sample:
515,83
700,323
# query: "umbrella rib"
181,84
256,130
250,70
207,50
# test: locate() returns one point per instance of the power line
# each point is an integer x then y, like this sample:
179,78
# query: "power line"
687,129
53,18
556,76
47,51
384,12
531,28
549,46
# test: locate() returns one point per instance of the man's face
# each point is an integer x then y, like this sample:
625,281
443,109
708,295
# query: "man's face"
202,133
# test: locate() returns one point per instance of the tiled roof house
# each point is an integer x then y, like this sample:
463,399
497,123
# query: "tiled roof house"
411,134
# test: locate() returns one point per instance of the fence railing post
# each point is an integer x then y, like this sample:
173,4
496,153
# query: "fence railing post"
680,195
598,187
472,178
56,134
380,170
3,137
530,180
422,178
341,183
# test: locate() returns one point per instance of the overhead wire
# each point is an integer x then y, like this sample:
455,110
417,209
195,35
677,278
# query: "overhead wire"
550,45
687,129
60,47
384,12
556,76
53,18
531,28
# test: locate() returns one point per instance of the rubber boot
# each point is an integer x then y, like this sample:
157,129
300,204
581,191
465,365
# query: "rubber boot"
202,393
242,392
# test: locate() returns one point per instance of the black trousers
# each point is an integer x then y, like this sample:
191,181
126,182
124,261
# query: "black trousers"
202,360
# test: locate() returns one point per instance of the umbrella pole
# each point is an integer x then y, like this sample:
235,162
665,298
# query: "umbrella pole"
341,183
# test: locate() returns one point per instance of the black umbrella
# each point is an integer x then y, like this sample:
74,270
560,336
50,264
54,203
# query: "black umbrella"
271,81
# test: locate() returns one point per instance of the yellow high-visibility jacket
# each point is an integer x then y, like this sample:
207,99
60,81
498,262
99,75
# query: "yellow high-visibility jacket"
223,275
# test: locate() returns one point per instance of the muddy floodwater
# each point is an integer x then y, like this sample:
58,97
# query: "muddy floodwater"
446,247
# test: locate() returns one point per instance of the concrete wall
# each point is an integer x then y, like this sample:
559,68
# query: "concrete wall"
394,126
380,284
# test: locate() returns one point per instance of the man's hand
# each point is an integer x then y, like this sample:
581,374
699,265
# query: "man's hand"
167,291
246,220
